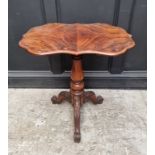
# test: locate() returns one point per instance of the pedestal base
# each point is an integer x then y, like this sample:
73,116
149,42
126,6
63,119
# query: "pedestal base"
77,96
88,96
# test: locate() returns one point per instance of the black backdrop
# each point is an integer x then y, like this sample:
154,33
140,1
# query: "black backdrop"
126,71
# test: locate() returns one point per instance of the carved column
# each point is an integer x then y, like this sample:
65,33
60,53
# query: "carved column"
77,93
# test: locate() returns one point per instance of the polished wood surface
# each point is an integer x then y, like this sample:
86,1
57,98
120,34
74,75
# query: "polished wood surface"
77,96
77,39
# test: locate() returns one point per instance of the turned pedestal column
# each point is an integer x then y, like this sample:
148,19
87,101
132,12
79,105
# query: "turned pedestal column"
77,39
77,96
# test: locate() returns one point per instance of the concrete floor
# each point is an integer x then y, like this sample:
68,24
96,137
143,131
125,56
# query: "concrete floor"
116,127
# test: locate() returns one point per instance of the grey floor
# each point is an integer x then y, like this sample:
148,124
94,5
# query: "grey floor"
116,127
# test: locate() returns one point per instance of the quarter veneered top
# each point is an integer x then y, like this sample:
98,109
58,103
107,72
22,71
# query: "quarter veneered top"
77,39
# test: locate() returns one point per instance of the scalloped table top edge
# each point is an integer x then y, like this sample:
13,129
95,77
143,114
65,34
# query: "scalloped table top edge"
76,39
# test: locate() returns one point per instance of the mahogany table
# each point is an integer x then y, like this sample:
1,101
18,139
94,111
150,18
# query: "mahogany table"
77,39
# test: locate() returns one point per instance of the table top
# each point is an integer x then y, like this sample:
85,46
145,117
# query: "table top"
77,39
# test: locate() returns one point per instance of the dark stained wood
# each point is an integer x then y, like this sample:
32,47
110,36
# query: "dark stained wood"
77,39
77,96
77,89
90,96
63,96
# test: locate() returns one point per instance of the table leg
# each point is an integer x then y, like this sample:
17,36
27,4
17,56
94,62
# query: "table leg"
77,92
63,96
91,96
77,96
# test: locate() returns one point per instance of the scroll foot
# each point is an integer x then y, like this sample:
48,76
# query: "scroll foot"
63,96
90,96
77,137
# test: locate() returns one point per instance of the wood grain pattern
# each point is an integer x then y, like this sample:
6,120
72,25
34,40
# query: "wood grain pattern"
77,39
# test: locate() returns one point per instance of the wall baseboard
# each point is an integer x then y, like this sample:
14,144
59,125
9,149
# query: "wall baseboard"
95,79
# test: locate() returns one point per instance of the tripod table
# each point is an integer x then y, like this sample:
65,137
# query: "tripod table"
77,39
